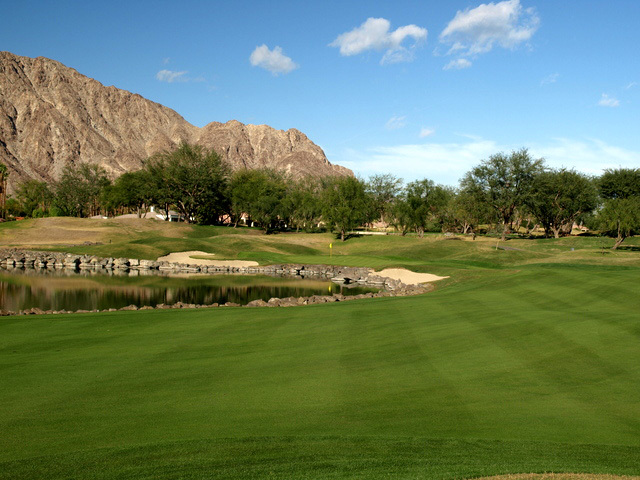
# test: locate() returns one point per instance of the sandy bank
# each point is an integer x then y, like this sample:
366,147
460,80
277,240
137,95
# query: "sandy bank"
185,257
408,277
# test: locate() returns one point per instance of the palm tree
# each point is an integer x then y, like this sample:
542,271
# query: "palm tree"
4,173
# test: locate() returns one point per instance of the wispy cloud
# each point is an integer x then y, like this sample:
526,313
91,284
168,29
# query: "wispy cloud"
447,163
426,132
442,162
274,60
631,85
457,64
166,60
396,122
374,34
607,101
171,76
478,30
589,155
549,79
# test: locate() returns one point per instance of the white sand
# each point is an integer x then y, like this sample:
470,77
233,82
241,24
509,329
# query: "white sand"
185,257
408,277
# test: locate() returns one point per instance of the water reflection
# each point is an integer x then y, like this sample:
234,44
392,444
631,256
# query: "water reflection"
64,289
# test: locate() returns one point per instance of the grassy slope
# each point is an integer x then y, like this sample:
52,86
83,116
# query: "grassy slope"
524,361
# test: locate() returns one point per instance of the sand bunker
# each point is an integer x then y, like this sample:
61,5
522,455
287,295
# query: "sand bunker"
408,277
185,257
405,276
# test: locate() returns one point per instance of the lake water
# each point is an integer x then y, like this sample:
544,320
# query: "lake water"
70,290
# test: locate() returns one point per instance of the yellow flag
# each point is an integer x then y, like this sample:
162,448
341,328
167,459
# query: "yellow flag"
331,245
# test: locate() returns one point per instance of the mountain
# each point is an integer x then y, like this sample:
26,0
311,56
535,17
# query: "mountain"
51,116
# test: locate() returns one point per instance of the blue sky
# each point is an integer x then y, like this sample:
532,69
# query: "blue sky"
420,89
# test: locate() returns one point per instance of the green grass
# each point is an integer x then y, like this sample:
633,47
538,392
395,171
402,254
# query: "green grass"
520,363
524,360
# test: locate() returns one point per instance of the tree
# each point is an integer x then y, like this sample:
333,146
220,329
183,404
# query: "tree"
504,183
35,197
159,188
619,183
193,179
4,173
383,190
131,190
346,204
620,214
467,212
421,206
558,197
79,191
303,204
620,217
260,194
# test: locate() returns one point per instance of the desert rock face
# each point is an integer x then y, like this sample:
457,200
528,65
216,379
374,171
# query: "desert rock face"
52,116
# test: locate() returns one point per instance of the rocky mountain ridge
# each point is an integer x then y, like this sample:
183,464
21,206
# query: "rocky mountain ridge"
52,116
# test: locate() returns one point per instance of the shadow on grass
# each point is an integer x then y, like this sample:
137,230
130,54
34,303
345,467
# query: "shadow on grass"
629,248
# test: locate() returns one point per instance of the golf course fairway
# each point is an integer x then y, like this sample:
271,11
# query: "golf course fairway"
515,367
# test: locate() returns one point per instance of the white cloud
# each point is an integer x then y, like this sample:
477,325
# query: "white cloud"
478,30
426,132
607,101
447,163
590,156
166,60
457,64
444,163
170,76
374,34
549,79
273,60
396,122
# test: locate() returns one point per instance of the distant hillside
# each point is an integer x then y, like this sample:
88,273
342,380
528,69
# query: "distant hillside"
52,116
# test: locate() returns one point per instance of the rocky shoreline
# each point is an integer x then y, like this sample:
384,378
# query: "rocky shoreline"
27,259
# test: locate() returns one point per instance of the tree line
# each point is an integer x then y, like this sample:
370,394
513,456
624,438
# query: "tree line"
505,194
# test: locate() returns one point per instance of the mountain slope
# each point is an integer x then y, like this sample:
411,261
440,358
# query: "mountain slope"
52,116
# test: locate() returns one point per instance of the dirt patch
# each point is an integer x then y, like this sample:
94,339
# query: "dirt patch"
68,231
55,231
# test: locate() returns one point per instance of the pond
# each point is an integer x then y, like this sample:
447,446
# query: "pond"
71,290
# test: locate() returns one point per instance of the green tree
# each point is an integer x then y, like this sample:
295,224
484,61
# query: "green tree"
193,179
159,188
303,203
241,195
559,197
79,191
467,212
35,198
399,215
268,207
504,183
619,183
131,190
383,189
346,204
4,174
620,218
421,207
260,195
620,214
